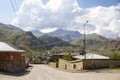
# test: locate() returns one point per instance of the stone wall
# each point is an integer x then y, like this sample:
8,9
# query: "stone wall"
70,65
12,67
52,64
88,64
100,63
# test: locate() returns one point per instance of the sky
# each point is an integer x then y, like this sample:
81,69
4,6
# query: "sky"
49,15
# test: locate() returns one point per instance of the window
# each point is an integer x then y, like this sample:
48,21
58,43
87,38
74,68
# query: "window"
65,66
74,66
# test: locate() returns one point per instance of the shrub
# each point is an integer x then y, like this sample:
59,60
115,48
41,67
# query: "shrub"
115,56
53,59
68,57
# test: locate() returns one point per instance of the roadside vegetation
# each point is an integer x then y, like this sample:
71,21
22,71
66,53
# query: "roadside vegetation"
115,55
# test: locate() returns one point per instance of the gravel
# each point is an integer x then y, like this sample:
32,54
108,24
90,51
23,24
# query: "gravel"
44,72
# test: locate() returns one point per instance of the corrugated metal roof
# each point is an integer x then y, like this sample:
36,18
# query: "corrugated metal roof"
73,54
91,56
4,47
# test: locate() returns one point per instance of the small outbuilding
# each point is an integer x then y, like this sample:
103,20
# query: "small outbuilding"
11,58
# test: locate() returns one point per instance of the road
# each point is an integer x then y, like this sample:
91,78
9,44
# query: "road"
44,72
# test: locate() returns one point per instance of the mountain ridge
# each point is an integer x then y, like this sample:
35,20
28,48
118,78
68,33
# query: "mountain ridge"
95,42
31,43
22,39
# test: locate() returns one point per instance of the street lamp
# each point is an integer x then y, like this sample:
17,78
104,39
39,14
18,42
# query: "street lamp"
84,41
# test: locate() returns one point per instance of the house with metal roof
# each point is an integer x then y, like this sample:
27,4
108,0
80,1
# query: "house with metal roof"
90,56
88,61
11,58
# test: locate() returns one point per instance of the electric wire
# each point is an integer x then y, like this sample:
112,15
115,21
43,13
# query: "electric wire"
15,6
50,44
14,9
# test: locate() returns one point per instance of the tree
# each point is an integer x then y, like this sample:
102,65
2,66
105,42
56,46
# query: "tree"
68,57
115,56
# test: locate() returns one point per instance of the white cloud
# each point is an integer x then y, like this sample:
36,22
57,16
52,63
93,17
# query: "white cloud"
55,13
47,30
106,20
33,14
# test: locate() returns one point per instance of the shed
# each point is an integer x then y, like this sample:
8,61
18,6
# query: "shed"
11,58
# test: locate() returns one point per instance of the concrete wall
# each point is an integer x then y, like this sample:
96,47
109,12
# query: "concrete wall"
100,63
70,65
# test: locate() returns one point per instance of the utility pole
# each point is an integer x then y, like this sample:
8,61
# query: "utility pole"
84,41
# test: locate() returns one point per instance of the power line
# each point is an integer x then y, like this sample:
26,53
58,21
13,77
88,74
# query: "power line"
20,21
15,7
50,44
16,4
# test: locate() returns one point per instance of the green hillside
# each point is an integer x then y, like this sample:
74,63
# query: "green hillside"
51,41
26,40
98,43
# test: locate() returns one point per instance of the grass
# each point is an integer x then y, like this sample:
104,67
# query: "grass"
117,68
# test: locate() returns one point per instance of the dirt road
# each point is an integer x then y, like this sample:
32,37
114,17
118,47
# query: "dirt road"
44,72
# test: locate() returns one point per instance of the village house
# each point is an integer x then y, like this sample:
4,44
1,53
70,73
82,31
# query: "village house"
11,58
91,61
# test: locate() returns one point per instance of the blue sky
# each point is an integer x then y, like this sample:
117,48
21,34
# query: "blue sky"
93,3
49,15
7,13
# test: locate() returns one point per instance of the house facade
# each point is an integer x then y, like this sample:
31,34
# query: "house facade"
84,64
92,61
11,59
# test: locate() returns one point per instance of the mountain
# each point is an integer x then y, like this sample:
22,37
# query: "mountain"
113,45
98,43
10,27
51,41
36,33
93,41
33,44
66,35
22,39
18,37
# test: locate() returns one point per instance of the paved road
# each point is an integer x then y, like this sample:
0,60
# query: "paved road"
44,72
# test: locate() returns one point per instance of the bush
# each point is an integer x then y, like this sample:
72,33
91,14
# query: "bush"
68,57
115,56
53,59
